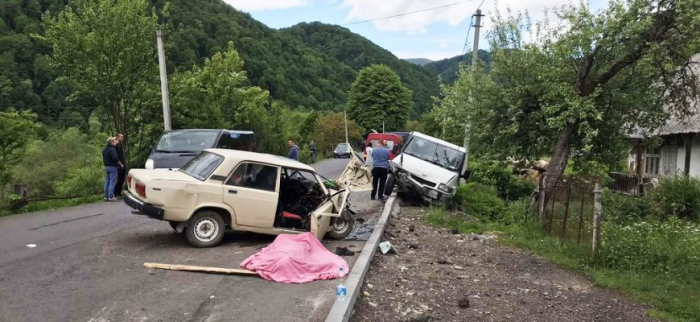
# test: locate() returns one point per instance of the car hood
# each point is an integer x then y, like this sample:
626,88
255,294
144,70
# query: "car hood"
146,175
423,169
171,160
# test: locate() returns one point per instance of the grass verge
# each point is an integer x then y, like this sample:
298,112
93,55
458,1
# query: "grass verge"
670,298
51,205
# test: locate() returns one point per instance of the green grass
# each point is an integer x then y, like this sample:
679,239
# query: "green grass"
670,298
52,205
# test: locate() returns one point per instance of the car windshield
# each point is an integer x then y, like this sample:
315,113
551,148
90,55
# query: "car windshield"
436,153
389,144
342,147
186,141
202,165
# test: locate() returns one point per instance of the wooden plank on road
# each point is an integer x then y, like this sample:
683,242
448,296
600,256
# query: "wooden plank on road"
205,269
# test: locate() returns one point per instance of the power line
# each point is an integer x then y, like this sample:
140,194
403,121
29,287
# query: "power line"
481,4
408,13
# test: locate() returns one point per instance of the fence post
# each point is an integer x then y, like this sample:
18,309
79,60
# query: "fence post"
566,212
540,205
598,206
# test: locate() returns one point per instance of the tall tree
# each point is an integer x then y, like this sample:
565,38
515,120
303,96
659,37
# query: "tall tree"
330,130
582,83
107,50
16,129
378,98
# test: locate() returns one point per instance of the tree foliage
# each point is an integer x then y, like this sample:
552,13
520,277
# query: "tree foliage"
16,129
330,130
377,96
581,84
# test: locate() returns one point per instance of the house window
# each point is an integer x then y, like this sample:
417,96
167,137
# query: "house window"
652,161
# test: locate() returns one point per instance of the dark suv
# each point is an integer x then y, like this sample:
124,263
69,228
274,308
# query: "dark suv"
175,148
342,151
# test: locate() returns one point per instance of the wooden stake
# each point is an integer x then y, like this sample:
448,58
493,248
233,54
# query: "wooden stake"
205,269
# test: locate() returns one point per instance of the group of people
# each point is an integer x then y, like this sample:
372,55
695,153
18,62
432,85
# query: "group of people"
377,158
115,167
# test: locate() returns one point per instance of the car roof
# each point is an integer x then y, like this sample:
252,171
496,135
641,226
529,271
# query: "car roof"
392,135
261,157
213,130
432,138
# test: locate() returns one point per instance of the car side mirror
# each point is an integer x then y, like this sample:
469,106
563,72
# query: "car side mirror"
467,174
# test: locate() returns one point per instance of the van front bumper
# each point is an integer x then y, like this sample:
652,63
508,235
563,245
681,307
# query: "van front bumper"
143,208
427,193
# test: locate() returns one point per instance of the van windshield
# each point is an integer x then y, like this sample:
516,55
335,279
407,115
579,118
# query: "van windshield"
436,153
186,141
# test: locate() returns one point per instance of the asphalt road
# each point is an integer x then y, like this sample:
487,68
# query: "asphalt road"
87,266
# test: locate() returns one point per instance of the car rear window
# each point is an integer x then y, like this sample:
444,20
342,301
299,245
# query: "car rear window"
389,144
202,165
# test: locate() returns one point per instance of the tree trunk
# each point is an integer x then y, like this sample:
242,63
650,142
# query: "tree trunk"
557,165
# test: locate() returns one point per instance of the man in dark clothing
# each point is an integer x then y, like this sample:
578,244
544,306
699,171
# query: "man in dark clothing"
312,151
110,159
121,172
293,151
380,161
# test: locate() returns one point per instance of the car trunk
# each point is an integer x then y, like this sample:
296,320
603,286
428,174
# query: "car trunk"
161,187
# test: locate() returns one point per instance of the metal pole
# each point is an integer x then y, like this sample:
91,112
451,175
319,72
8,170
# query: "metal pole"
346,127
163,81
475,50
598,207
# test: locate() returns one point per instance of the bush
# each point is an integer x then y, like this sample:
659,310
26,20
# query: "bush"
509,186
677,196
623,209
669,247
480,201
85,181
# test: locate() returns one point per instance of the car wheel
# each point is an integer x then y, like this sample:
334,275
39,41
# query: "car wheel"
389,186
341,226
205,229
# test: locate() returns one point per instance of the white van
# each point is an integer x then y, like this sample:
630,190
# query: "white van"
428,167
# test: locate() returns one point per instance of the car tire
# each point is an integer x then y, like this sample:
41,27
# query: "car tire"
205,229
341,226
389,186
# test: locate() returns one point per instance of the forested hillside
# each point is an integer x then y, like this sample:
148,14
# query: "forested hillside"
357,52
419,61
447,68
308,66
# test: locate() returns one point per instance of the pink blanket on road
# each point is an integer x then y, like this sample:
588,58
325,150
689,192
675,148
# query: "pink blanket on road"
295,259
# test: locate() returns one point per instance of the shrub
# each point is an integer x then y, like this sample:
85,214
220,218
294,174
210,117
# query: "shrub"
480,201
85,181
677,196
623,209
509,186
670,247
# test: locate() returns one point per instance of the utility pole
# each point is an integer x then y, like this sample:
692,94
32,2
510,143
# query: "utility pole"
346,127
475,50
163,81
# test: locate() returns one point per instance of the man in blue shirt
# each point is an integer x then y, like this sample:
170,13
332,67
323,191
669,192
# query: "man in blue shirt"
380,163
293,151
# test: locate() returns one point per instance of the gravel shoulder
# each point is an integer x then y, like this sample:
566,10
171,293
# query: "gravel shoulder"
440,276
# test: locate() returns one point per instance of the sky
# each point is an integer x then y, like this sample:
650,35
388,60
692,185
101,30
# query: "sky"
434,34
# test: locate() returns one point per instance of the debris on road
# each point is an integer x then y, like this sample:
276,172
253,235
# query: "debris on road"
343,251
193,268
386,246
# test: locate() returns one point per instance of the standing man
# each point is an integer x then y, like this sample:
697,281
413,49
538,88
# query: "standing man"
312,150
110,159
293,150
121,173
380,168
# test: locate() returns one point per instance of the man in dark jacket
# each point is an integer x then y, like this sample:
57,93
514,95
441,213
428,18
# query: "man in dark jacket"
293,151
110,159
121,172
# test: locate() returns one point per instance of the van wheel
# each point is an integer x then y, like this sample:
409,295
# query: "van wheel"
205,229
342,226
389,186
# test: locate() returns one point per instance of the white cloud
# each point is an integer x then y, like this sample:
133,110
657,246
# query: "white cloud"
453,15
262,5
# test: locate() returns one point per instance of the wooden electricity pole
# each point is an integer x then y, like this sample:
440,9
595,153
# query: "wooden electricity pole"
475,58
163,81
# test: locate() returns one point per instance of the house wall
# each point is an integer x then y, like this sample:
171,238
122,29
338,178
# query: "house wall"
694,159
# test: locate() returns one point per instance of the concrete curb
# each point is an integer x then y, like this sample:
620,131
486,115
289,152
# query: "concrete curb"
341,311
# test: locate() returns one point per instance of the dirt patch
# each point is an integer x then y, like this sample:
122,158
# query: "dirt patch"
442,276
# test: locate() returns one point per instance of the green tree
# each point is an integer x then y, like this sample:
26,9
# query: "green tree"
308,127
217,95
582,83
330,130
377,96
16,129
107,50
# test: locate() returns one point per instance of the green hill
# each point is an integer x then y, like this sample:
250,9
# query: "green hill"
308,66
447,68
418,61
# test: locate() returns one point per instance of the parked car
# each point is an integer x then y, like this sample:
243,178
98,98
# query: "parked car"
393,143
244,191
175,148
428,167
342,150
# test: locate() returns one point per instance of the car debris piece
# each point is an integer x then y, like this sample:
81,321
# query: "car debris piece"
386,246
205,269
343,251
356,176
